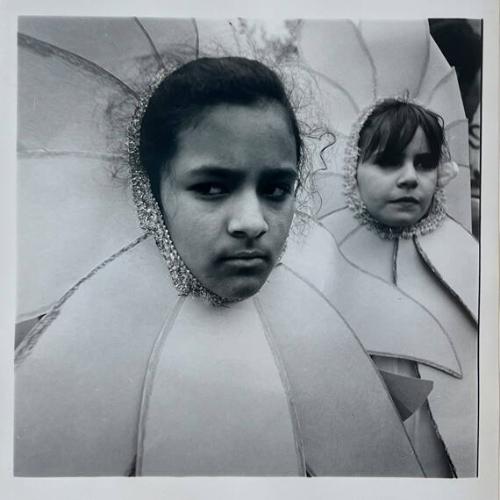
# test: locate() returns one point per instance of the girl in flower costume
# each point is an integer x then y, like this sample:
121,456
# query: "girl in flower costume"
401,138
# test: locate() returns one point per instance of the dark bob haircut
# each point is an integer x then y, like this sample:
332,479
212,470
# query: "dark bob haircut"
185,94
391,126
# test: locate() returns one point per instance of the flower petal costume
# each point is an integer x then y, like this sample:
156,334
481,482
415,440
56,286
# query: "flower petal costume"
433,262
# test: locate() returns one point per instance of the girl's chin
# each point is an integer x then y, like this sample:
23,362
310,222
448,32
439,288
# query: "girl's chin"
401,220
241,288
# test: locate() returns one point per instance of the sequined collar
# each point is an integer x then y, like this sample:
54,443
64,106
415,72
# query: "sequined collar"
150,215
429,223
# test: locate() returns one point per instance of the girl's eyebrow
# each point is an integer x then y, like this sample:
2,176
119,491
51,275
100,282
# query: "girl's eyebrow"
213,171
223,172
284,173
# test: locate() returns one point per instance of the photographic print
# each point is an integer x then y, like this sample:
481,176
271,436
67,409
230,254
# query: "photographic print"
250,250
248,247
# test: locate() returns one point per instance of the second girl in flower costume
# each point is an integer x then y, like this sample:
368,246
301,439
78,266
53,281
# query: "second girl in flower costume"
400,135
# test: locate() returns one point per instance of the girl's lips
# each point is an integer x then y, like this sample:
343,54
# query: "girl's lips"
247,255
405,199
251,260
246,262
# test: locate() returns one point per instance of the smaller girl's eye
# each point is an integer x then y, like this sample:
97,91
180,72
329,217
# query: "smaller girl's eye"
387,160
424,162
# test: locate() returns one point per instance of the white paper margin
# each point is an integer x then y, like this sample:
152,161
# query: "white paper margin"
483,488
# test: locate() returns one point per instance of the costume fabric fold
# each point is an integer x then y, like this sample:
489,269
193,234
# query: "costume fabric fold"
409,393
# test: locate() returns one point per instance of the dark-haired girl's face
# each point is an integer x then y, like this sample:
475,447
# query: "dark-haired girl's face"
397,187
228,196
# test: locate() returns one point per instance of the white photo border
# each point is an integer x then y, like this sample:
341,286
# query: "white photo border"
483,488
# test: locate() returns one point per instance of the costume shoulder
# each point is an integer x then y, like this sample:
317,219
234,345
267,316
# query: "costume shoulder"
383,326
339,223
78,385
452,254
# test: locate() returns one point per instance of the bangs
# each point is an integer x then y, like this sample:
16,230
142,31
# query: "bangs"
391,127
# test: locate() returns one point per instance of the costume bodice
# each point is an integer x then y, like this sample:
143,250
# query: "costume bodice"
131,377
413,299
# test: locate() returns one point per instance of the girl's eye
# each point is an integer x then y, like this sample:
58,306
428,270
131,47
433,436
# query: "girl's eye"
209,189
388,161
424,162
277,192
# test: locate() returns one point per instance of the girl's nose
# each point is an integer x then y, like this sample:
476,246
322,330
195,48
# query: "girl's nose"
408,177
247,218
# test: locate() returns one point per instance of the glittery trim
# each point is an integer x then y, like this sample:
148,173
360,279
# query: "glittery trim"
437,210
149,212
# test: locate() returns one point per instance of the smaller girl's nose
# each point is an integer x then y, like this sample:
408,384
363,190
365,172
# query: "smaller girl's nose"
247,218
408,177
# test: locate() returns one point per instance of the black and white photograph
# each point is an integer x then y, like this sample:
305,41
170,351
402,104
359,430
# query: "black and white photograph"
252,247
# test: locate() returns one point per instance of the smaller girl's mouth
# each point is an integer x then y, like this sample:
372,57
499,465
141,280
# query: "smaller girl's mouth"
405,199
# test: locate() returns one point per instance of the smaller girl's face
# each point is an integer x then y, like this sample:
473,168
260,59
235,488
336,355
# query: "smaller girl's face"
398,188
228,196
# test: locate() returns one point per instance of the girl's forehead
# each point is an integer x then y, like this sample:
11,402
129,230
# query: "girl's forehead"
400,142
248,139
